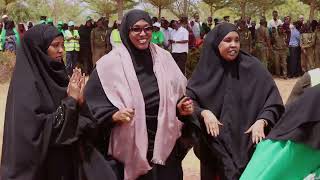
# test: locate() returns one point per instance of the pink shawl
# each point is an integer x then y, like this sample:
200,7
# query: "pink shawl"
129,142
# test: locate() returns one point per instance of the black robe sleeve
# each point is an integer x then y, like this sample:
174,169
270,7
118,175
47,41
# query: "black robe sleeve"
65,122
101,110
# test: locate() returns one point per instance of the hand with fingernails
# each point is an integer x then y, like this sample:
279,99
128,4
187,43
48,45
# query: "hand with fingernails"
123,115
185,106
211,122
76,86
257,131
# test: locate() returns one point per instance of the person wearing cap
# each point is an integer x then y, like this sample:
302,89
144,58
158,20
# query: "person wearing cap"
59,27
85,55
72,47
98,41
115,39
50,21
157,35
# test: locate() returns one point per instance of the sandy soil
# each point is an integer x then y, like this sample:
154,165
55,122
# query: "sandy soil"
191,164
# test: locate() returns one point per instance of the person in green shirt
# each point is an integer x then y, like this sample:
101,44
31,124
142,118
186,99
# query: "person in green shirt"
157,35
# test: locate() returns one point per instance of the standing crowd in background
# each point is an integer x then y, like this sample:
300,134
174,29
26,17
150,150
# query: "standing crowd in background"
287,48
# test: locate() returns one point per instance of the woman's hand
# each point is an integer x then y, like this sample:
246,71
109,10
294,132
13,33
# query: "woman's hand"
257,130
185,106
74,86
123,116
211,122
83,82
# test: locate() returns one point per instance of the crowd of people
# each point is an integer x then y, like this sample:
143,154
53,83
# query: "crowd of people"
287,48
122,108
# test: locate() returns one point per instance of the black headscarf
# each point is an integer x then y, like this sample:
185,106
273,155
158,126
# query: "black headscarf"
301,121
127,22
37,87
238,93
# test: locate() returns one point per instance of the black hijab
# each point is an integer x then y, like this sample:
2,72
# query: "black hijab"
127,22
238,93
207,80
301,121
37,87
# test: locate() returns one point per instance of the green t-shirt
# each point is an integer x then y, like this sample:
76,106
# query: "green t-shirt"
157,37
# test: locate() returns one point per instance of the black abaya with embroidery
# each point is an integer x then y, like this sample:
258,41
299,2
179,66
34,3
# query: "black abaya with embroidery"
41,122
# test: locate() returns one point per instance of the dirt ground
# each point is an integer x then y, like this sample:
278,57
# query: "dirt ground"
191,164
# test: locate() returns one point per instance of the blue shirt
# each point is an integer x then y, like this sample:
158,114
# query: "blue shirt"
294,38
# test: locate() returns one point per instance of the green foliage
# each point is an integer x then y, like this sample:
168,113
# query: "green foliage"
161,4
108,7
216,4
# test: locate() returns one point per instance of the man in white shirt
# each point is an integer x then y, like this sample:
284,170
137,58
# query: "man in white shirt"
275,22
196,28
179,39
166,30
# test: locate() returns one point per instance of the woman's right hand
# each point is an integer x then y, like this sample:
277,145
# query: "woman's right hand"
76,85
123,115
211,122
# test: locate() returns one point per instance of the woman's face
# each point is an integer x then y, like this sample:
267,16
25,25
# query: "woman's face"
229,47
55,50
140,34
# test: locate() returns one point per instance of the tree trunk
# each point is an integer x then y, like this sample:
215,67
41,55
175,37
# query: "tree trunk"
120,9
185,7
159,15
211,10
107,16
243,9
312,9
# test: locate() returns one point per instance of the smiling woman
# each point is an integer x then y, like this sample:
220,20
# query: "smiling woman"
136,92
236,102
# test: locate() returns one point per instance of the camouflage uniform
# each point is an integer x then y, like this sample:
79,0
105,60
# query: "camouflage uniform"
280,50
307,44
262,42
317,48
245,40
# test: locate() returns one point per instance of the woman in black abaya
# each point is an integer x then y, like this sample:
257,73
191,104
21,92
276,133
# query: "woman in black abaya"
236,101
42,112
134,93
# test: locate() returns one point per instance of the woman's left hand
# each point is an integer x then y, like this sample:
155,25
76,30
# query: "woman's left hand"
185,106
257,131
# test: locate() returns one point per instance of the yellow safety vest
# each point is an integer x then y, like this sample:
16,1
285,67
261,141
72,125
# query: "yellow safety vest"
72,45
116,36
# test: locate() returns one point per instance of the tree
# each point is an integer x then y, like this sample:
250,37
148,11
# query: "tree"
216,4
314,5
4,5
254,7
183,7
161,4
108,7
